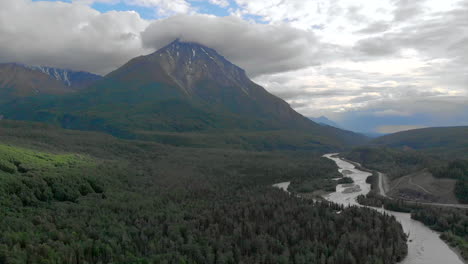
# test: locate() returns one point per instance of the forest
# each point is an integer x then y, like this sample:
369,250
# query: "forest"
452,223
456,169
84,197
396,163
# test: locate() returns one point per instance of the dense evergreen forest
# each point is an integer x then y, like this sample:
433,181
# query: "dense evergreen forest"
451,222
83,197
457,169
443,142
396,163
393,162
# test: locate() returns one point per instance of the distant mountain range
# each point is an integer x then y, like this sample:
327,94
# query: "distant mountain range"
73,79
448,141
19,80
323,120
182,94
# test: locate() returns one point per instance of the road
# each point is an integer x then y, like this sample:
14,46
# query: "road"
424,245
381,185
382,191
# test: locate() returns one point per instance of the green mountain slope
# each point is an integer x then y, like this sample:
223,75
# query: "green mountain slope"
451,142
183,94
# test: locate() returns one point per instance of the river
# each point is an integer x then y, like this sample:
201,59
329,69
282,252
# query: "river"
424,245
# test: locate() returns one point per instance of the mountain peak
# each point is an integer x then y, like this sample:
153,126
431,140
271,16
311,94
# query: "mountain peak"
186,64
196,73
183,87
178,45
323,120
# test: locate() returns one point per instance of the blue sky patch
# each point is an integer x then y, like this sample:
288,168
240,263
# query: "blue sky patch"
202,7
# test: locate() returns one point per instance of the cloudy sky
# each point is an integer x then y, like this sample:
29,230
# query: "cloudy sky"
379,66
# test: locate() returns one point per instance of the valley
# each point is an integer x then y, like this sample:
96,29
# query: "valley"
91,197
171,157
184,94
424,245
233,132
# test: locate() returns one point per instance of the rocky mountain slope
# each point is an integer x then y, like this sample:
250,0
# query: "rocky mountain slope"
74,79
17,81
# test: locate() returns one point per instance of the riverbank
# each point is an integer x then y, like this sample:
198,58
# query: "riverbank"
381,186
425,246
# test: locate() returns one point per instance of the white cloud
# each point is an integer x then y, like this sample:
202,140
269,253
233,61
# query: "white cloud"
68,35
221,3
335,21
258,48
164,6
346,59
395,53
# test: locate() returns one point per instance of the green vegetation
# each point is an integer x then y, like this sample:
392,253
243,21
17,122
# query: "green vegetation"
29,177
452,223
445,142
457,169
310,185
152,111
395,163
375,200
83,197
345,180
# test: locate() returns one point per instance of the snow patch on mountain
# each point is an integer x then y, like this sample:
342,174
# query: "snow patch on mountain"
74,79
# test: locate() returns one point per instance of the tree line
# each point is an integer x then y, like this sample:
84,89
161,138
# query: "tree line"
115,201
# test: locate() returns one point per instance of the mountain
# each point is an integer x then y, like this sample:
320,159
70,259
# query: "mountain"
373,134
200,74
74,79
452,141
17,81
323,120
183,94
